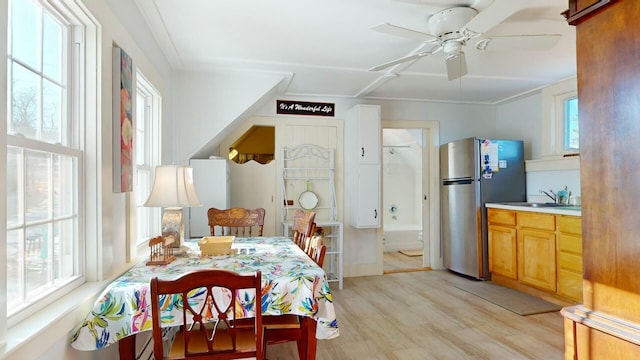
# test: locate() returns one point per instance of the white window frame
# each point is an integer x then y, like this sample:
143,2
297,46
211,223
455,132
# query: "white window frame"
553,118
151,141
83,109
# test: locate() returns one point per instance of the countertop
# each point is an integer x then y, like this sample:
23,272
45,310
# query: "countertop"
558,210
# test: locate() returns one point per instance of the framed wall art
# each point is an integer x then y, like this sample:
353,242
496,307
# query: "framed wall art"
123,120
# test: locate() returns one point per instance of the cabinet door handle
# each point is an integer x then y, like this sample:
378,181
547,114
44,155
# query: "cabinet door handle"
362,152
375,213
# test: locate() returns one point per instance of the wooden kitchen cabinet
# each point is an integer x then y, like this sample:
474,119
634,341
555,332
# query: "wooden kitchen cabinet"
569,262
537,258
502,242
537,250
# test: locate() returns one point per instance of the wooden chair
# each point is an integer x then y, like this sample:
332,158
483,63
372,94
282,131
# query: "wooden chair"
317,250
202,337
279,329
311,243
318,254
236,221
303,224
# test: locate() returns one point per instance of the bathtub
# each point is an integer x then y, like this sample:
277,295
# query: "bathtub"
398,237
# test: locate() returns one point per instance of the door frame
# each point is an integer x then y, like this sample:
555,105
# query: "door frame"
431,249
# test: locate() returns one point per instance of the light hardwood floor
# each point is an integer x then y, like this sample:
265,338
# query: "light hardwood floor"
421,315
395,261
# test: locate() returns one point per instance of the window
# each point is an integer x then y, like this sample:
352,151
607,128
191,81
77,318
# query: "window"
44,240
147,156
571,131
560,132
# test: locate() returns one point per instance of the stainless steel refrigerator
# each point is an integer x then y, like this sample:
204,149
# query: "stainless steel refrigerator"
474,172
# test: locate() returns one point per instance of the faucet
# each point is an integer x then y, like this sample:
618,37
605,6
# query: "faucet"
550,194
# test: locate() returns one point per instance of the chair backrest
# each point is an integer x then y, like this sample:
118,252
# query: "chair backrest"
236,221
210,330
303,224
318,254
311,244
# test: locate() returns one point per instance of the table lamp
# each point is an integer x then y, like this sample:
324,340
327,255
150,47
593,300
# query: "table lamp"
173,189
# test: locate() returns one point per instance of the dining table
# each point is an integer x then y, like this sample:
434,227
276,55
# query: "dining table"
291,284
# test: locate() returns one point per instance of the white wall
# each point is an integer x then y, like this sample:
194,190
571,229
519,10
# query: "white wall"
522,119
457,121
551,180
118,208
402,186
210,102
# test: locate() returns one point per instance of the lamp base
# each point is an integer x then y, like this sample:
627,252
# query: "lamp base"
173,225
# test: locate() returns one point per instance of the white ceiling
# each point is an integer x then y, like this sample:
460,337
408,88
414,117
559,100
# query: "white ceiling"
326,46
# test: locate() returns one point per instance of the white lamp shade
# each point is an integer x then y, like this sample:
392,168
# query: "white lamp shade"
173,187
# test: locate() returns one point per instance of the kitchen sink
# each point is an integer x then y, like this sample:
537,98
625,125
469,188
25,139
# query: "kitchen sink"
544,205
533,204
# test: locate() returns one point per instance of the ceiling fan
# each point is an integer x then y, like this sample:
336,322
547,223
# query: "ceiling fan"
451,29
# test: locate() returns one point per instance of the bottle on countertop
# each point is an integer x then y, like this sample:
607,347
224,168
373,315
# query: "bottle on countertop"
563,196
574,200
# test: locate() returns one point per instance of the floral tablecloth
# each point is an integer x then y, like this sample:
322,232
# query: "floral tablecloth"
292,284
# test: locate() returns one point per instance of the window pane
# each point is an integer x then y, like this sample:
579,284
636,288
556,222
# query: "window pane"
14,267
65,249
24,102
25,41
52,49
64,196
37,182
36,256
15,205
144,215
572,131
43,252
51,112
140,124
144,185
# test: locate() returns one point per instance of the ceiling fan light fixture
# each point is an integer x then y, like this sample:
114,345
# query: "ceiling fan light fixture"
456,66
452,49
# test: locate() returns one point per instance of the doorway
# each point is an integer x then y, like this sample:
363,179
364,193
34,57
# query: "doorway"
409,240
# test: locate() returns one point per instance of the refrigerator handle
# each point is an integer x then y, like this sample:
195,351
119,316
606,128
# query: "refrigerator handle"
457,182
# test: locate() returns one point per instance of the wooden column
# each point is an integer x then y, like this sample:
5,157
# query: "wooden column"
608,59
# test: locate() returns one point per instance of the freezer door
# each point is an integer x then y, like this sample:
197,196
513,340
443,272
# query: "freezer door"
459,159
460,227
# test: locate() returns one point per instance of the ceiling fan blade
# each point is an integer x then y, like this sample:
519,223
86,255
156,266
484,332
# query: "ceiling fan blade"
493,15
518,42
456,66
403,32
398,61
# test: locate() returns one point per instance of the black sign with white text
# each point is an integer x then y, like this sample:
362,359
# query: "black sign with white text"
305,108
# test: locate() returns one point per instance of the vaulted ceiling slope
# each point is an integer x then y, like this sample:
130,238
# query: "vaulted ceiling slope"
328,47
